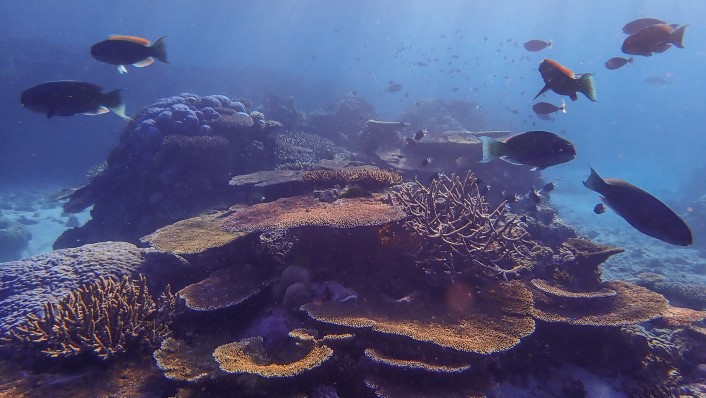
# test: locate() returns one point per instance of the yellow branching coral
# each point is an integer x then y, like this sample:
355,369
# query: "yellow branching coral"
105,318
463,235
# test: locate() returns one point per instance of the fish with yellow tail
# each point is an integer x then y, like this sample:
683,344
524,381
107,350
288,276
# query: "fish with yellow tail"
563,81
121,50
643,211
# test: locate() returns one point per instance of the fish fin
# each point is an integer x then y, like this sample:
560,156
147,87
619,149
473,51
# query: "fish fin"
678,37
511,161
660,48
159,50
134,39
542,91
51,111
101,110
535,168
114,101
145,62
594,182
122,69
587,87
491,148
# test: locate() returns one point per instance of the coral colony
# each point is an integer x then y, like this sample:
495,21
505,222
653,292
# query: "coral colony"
305,268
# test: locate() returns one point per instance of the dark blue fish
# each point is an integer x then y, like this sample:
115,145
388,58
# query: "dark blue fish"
537,45
122,50
617,62
540,149
641,210
66,98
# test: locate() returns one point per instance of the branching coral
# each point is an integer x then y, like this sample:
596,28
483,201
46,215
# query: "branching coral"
105,318
462,235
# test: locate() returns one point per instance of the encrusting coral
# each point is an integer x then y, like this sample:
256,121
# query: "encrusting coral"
104,318
463,235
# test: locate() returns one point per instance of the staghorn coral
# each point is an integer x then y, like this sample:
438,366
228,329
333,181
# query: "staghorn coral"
304,211
366,177
104,318
249,356
631,304
462,235
191,236
496,322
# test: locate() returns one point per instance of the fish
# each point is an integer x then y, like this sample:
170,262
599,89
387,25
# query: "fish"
420,134
539,149
121,50
658,81
537,45
545,108
654,39
393,88
563,81
599,208
617,62
643,211
410,141
534,195
637,25
426,162
548,187
68,97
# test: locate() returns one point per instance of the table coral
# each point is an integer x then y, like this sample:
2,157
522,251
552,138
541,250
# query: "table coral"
304,211
191,236
105,318
367,177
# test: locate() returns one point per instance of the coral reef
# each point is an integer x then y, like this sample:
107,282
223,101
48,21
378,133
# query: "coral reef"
439,116
173,161
28,284
378,135
578,264
496,323
341,120
104,318
462,236
617,304
308,211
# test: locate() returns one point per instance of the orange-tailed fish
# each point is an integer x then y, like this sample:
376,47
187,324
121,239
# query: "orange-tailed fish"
123,50
563,81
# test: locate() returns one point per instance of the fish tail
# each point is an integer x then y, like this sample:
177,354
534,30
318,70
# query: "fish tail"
492,149
631,59
587,87
563,106
550,43
114,101
159,50
678,36
594,182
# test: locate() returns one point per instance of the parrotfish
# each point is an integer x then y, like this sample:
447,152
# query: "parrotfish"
66,98
654,39
643,211
122,50
563,81
540,149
